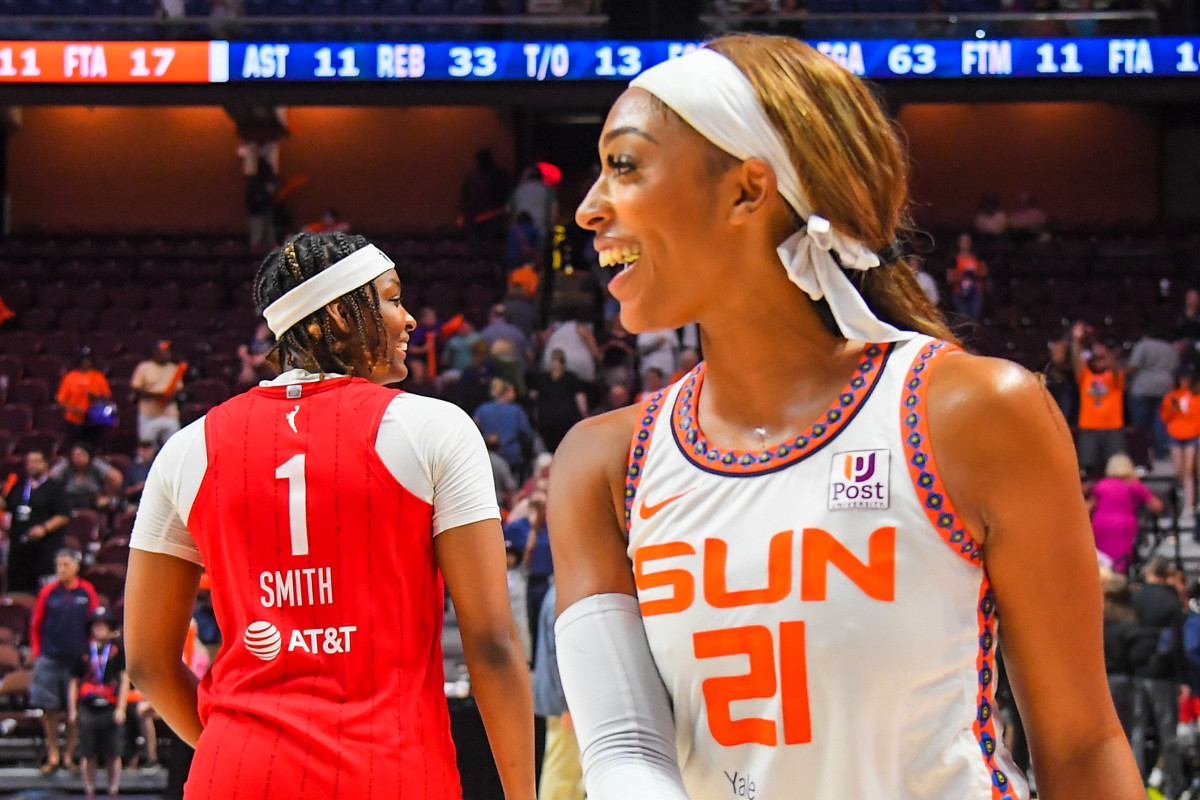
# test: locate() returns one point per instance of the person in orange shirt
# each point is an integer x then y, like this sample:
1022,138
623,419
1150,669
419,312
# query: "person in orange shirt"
1101,403
1181,412
82,386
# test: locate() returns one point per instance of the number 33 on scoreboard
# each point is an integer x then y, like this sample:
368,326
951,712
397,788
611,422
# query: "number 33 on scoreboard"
789,681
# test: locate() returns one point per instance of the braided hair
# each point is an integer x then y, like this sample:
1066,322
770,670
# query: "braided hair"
311,343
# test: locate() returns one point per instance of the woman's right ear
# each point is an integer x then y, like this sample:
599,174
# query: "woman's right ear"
339,317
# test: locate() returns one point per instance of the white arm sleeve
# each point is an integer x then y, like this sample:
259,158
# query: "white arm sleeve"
170,491
437,453
618,702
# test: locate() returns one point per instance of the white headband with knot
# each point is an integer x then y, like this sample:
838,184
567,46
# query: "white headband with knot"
340,278
710,93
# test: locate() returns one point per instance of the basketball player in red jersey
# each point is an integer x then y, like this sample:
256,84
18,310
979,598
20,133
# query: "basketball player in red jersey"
781,577
327,509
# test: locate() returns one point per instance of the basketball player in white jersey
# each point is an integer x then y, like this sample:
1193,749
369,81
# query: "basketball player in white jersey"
784,577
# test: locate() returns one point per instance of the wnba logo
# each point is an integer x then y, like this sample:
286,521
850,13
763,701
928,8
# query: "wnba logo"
859,479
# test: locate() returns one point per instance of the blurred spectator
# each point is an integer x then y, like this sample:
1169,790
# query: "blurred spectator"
1116,501
507,368
156,382
966,280
82,388
527,279
507,420
618,354
87,481
1180,414
518,307
533,198
560,401
133,480
574,339
518,595
1187,326
990,219
5,312
38,528
99,701
562,772
330,222
58,636
1101,402
260,205
500,328
652,382
418,380
617,397
532,536
1060,379
482,200
456,354
506,484
1151,369
475,383
253,356
658,349
689,359
1027,221
524,242
1125,649
924,279
1160,610
423,340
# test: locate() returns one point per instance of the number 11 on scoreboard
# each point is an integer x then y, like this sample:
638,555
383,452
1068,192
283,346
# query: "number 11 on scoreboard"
29,67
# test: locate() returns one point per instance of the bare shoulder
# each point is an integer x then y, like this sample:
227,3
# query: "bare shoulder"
987,396
996,435
586,507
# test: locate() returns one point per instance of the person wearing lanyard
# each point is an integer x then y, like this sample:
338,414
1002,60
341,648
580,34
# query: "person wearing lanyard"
98,701
39,520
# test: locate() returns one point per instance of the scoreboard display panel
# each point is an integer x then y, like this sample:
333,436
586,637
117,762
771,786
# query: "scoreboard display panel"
542,61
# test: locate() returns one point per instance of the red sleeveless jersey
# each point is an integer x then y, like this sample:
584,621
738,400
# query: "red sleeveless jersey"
329,683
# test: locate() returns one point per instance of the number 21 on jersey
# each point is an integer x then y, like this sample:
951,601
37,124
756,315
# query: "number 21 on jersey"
292,471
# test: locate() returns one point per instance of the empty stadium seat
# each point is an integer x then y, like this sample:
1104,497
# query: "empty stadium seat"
39,441
32,392
17,418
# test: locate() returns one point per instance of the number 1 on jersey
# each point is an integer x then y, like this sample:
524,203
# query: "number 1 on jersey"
292,471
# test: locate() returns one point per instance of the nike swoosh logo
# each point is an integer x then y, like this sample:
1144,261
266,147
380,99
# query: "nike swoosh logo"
647,511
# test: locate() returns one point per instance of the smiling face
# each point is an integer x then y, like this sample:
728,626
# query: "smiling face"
656,213
397,323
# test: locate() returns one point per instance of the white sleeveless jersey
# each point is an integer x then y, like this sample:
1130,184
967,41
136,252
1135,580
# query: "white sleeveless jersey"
820,617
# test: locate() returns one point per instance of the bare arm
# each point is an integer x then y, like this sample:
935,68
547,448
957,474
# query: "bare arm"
587,486
1030,515
474,565
160,592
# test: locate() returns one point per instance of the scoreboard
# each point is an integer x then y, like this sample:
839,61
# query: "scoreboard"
268,62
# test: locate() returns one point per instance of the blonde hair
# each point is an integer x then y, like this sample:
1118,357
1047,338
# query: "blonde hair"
849,158
1119,466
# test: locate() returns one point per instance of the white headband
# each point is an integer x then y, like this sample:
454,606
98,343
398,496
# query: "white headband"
712,95
340,278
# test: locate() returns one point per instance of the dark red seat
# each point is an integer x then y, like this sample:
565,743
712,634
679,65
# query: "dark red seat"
32,392
40,441
16,418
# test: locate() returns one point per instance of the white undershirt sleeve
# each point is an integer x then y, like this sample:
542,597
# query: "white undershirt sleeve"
170,491
436,452
619,705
